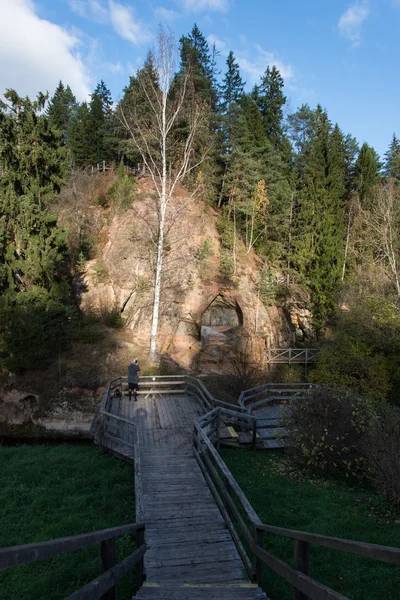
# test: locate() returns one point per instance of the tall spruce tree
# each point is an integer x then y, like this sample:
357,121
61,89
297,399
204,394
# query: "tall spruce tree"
392,159
79,136
101,141
33,159
61,110
366,173
198,60
319,218
270,100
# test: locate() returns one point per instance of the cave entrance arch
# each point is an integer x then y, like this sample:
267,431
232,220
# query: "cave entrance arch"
221,315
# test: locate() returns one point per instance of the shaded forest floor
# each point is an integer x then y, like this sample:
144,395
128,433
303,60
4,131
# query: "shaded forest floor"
285,498
56,491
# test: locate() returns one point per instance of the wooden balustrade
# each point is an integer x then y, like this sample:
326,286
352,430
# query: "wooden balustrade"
104,585
247,530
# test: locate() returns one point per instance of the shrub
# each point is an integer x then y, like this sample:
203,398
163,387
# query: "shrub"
226,231
205,251
382,450
122,192
113,319
327,428
267,283
142,285
226,263
352,365
33,329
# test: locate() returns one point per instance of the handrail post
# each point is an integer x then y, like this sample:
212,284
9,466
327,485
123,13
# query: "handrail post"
140,564
301,560
258,566
107,561
218,445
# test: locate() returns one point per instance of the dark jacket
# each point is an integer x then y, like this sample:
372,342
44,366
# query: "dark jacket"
133,370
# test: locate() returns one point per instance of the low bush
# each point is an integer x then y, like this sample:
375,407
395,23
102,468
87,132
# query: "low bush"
226,263
206,249
382,451
122,193
327,430
112,318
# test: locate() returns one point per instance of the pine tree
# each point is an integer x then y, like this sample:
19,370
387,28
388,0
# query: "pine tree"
392,159
61,110
33,161
366,173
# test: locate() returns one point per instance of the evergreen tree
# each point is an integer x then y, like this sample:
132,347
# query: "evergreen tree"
33,159
199,62
270,99
231,93
392,159
135,103
101,141
319,218
79,136
366,173
61,110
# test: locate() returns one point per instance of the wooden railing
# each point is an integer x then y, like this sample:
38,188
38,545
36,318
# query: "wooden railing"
272,393
248,531
104,585
289,356
236,510
105,418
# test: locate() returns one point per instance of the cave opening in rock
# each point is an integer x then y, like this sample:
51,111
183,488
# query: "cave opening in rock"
221,315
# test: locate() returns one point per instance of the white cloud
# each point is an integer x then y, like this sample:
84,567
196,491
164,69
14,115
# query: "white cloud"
255,66
202,5
351,22
126,25
35,54
165,14
79,7
91,9
121,17
219,44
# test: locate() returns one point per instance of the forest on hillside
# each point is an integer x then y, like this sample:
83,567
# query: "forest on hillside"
311,201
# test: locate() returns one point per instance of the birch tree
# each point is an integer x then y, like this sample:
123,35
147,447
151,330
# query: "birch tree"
163,127
382,232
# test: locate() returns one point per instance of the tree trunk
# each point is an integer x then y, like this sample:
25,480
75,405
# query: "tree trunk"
347,244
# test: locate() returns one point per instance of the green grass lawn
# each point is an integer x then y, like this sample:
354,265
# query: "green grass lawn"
284,498
48,492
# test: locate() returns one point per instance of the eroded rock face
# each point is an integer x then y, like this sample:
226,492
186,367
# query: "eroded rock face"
70,414
17,406
195,296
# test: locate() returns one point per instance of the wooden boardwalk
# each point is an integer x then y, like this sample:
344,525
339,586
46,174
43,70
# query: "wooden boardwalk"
190,552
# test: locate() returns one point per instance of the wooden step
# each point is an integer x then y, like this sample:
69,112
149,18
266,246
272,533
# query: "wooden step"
230,591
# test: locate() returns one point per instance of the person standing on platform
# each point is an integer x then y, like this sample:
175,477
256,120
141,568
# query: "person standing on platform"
133,379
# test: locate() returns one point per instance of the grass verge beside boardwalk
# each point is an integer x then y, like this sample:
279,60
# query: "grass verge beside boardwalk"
48,492
284,498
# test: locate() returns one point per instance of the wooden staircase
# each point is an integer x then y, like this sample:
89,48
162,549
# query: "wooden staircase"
197,535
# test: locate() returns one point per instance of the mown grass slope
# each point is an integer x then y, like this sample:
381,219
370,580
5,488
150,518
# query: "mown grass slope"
285,498
48,492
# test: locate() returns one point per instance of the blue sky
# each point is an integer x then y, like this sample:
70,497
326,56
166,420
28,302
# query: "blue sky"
343,55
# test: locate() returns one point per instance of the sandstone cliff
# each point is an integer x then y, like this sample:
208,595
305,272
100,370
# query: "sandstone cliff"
206,318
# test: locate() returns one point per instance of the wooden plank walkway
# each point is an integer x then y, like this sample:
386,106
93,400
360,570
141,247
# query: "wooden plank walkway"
190,551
